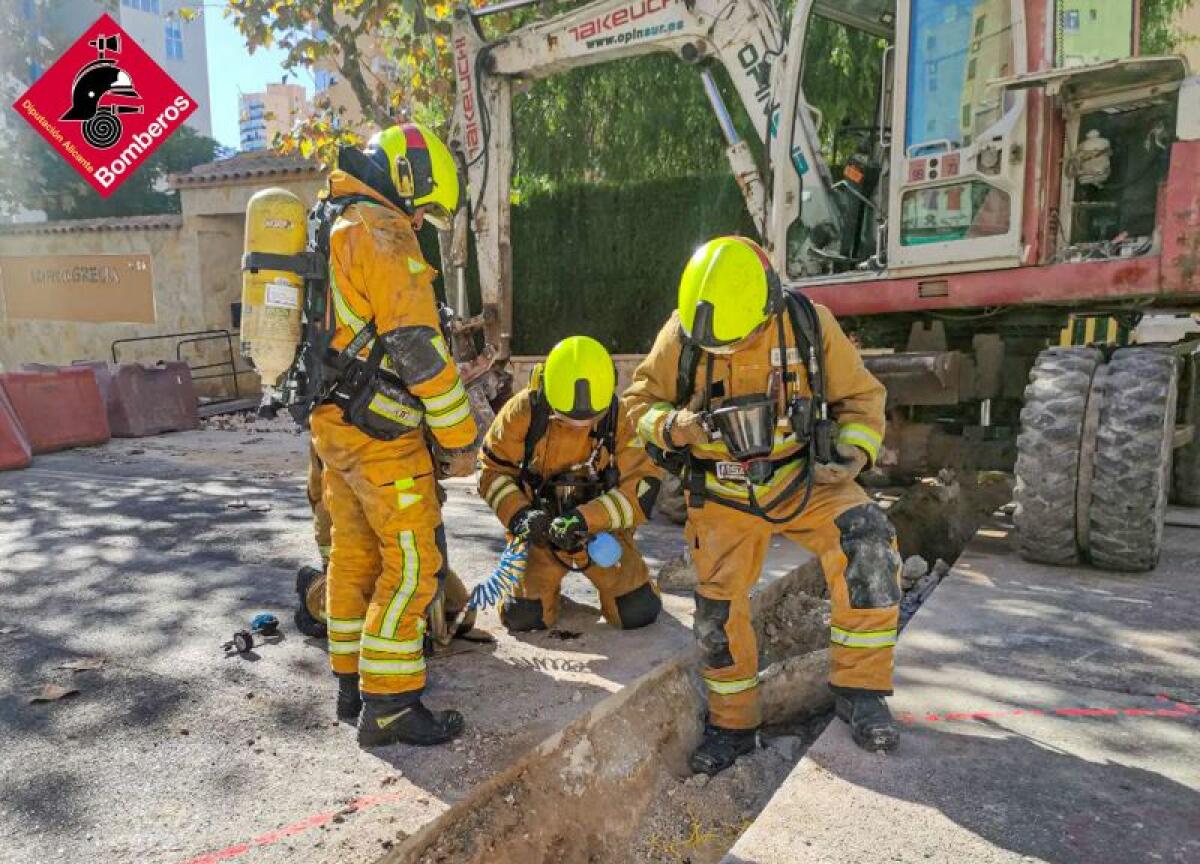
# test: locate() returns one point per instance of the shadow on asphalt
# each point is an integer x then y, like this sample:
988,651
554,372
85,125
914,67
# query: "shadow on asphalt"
149,568
1046,803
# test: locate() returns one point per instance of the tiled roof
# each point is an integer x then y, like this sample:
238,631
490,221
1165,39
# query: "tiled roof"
70,226
245,166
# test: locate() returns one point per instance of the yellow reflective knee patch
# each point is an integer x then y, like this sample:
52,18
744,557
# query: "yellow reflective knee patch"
404,497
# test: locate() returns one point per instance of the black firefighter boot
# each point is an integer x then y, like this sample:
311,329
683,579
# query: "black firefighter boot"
871,723
405,720
349,702
310,596
721,748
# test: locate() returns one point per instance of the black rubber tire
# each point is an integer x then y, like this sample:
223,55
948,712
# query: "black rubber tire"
1185,490
1132,473
1048,454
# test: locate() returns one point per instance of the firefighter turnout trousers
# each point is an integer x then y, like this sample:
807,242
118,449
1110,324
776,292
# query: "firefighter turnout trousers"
628,597
385,557
322,524
856,546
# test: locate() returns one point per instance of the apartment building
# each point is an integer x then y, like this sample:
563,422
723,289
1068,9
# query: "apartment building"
274,110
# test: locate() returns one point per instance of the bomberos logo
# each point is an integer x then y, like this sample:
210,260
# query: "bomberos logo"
105,105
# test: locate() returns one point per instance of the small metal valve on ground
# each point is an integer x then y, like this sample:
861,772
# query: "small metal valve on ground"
264,625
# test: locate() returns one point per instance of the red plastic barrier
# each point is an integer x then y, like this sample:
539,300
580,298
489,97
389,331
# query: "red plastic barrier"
58,409
15,451
147,400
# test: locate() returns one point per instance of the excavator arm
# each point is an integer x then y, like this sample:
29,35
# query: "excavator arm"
744,36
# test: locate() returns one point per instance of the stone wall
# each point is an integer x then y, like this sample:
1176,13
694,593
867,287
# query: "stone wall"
177,297
195,264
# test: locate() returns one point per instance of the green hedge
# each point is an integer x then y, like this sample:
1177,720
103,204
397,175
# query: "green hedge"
605,260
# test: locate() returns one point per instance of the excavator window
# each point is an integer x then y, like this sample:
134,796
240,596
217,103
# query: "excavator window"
844,75
956,48
961,211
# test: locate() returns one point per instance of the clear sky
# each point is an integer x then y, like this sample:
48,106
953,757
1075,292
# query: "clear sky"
232,70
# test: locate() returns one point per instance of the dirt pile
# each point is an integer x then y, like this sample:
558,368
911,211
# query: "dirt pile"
248,421
937,518
918,580
795,623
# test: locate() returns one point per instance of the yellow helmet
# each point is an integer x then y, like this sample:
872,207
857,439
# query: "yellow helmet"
728,288
422,169
579,378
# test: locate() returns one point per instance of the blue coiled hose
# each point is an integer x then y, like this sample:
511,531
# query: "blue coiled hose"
502,584
504,580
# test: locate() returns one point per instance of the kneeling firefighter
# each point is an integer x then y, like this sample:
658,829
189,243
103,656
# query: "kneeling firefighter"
374,377
561,464
798,417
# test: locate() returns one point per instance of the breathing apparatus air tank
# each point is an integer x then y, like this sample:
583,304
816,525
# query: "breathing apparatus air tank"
272,300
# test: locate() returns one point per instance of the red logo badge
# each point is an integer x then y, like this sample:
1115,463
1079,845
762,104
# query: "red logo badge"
105,105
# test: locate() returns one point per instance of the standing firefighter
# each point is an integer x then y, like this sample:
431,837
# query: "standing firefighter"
388,544
799,417
440,615
561,464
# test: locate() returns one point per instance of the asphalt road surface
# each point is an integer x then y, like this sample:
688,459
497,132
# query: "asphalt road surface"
141,558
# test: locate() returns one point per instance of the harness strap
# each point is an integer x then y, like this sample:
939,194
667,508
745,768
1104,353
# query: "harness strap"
539,422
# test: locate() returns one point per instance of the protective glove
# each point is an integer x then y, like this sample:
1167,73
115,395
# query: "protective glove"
569,532
850,463
532,524
456,463
684,428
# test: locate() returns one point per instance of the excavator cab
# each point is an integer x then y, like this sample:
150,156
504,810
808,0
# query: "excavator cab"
907,149
936,174
855,145
956,108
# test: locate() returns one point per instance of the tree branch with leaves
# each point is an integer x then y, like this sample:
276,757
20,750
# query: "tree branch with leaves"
393,56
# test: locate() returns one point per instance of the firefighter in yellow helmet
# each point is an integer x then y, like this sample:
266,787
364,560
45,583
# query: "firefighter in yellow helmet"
379,481
561,464
796,427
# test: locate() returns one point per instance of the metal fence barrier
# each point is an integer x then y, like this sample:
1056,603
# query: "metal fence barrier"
200,371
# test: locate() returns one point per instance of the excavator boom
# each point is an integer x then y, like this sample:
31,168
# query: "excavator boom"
744,37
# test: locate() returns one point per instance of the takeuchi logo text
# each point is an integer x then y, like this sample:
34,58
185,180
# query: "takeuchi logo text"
620,17
467,99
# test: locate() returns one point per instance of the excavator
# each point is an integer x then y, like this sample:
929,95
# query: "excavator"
1026,166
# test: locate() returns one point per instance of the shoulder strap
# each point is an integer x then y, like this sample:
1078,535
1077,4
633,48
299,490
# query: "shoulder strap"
606,433
685,381
327,211
539,421
340,203
806,325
